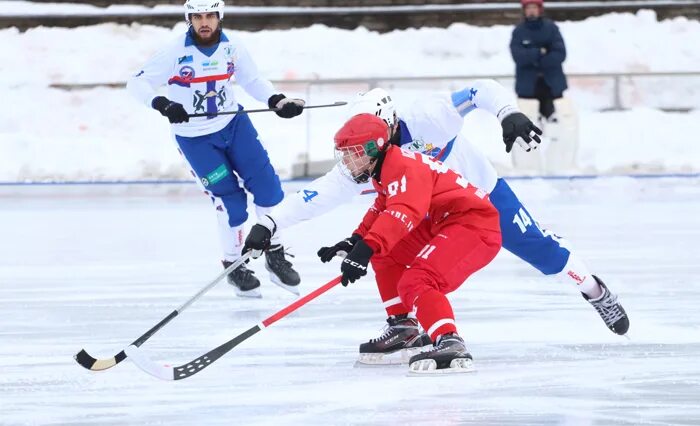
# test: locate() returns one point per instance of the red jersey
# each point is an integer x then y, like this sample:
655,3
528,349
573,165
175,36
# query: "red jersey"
413,187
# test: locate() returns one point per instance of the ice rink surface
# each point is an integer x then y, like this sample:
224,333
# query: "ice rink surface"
79,268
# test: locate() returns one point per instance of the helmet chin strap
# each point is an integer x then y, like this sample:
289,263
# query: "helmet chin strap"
374,168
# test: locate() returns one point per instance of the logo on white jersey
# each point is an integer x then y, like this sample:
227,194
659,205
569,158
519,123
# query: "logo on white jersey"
418,145
199,99
187,59
187,73
209,65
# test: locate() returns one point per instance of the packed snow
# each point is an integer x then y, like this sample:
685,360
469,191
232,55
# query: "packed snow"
103,134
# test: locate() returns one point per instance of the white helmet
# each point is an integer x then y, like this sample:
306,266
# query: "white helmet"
376,101
203,6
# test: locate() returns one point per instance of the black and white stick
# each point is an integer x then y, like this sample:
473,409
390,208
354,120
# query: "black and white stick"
91,363
249,111
167,372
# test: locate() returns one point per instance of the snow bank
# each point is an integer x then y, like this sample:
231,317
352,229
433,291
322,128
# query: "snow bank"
48,134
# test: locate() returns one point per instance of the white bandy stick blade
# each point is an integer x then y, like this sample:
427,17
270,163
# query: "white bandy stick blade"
142,361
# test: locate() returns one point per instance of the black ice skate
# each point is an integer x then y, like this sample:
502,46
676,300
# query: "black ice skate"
609,309
243,280
401,338
449,355
281,271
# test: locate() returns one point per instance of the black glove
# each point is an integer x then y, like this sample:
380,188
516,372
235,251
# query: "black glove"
517,127
174,111
286,107
258,239
354,265
342,248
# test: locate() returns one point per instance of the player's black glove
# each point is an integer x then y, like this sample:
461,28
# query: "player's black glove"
174,111
286,107
342,248
518,128
354,265
258,239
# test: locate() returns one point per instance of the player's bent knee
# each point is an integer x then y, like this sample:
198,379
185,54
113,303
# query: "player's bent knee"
413,283
266,189
233,206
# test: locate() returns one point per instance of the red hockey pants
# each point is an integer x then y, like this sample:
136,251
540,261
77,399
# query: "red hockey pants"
424,266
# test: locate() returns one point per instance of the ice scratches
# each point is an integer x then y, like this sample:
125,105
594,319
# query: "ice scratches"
626,348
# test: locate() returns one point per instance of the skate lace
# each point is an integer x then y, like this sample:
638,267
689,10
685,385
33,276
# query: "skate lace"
609,309
277,257
242,272
389,328
444,341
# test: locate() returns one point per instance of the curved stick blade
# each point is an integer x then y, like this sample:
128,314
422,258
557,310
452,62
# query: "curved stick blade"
142,361
91,363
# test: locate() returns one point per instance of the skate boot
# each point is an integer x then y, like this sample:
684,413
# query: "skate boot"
243,281
609,309
449,355
281,271
401,338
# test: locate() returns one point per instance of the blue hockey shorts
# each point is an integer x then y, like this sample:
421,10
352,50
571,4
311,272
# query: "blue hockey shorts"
220,159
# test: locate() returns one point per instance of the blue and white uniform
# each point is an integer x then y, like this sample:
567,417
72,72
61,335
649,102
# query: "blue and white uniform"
432,126
220,149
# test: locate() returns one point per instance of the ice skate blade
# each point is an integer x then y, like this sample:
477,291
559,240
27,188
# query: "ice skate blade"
249,294
359,364
294,289
394,358
428,367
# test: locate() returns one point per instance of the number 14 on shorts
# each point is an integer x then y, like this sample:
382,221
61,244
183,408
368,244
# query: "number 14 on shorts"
523,220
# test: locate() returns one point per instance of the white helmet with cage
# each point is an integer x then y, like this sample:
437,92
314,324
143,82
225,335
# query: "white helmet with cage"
204,6
378,102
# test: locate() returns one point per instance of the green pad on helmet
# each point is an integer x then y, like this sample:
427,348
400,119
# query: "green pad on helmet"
371,149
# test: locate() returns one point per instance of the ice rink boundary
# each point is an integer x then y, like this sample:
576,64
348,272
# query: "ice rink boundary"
190,182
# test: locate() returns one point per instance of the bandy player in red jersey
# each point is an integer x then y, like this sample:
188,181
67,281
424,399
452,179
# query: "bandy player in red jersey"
426,217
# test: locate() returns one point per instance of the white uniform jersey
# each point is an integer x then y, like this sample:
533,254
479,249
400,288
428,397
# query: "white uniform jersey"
432,126
201,80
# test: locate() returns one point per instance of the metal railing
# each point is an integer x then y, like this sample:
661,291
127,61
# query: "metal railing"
617,78
620,85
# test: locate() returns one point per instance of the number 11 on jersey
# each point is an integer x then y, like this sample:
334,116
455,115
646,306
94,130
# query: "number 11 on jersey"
425,251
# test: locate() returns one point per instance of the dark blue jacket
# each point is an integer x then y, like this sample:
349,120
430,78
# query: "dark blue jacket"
528,38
